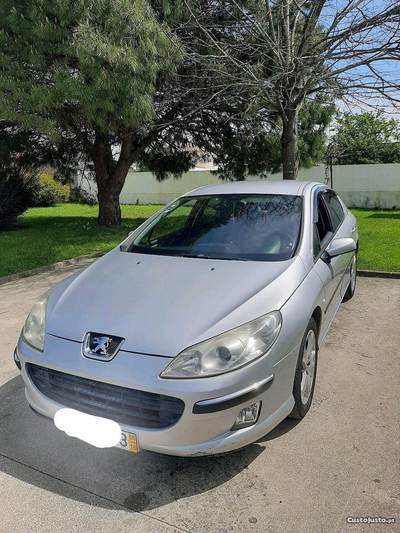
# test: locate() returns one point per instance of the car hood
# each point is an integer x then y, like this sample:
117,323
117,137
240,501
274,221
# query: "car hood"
161,305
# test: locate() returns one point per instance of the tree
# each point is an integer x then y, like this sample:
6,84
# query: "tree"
17,179
90,70
295,51
17,187
230,123
31,150
314,119
366,138
22,155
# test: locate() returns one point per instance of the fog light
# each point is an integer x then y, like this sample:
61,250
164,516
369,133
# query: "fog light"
247,416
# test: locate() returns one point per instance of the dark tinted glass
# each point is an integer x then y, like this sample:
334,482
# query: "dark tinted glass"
323,224
241,227
316,242
335,209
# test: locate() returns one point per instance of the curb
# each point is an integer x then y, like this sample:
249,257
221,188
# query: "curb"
49,268
378,274
82,258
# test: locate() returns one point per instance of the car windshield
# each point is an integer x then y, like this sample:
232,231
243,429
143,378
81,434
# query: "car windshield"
257,227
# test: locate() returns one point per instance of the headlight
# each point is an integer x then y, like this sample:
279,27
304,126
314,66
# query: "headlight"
228,351
35,324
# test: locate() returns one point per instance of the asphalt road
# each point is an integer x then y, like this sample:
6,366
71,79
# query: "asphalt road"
340,461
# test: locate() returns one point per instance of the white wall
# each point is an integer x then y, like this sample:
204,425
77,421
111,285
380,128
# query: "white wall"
358,185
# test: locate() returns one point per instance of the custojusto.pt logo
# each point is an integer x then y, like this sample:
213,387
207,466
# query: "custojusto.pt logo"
369,520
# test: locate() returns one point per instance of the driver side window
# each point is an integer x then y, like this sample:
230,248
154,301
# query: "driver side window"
316,242
335,209
322,228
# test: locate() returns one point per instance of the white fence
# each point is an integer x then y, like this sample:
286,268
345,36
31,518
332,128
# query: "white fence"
358,185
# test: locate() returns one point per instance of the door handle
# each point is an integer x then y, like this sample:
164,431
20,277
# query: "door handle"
353,229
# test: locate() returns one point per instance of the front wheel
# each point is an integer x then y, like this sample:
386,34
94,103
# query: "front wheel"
306,370
351,289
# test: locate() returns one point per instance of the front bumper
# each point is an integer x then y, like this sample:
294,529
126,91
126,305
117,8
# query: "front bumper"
211,404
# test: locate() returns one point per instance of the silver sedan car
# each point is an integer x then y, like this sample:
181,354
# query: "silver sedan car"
200,332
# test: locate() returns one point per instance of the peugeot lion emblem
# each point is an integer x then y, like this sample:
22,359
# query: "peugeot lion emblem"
101,344
102,347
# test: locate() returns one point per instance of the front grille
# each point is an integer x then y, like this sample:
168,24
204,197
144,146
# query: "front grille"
126,406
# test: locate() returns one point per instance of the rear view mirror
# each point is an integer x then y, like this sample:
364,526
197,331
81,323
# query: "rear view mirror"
339,247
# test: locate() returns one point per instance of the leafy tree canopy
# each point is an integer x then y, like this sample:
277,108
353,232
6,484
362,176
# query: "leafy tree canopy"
96,62
91,70
366,138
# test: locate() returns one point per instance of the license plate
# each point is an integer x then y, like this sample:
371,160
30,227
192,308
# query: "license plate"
128,442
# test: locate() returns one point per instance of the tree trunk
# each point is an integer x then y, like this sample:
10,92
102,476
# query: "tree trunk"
109,209
290,150
110,178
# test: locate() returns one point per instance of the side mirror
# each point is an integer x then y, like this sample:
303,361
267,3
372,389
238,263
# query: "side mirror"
339,247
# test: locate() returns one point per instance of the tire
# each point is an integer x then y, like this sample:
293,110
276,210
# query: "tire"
351,289
306,371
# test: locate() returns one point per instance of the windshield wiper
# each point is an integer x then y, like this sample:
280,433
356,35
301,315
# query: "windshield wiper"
202,256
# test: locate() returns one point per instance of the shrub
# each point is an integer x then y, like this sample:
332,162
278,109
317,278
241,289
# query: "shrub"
80,196
49,192
17,188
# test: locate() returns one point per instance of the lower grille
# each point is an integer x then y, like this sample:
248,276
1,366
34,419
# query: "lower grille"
126,406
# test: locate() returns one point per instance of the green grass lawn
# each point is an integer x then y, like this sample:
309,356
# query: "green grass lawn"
379,239
48,235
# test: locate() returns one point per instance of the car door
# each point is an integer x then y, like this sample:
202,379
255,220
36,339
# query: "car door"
328,224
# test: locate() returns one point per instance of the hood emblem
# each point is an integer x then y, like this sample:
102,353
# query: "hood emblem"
100,346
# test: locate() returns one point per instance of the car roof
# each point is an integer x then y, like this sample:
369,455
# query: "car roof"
255,187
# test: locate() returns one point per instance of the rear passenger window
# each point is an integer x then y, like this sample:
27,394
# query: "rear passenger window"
335,209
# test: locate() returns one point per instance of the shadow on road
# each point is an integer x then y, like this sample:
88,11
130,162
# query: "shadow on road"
34,451
284,427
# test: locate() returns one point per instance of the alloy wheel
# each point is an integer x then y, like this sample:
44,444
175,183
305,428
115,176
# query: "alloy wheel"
308,366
